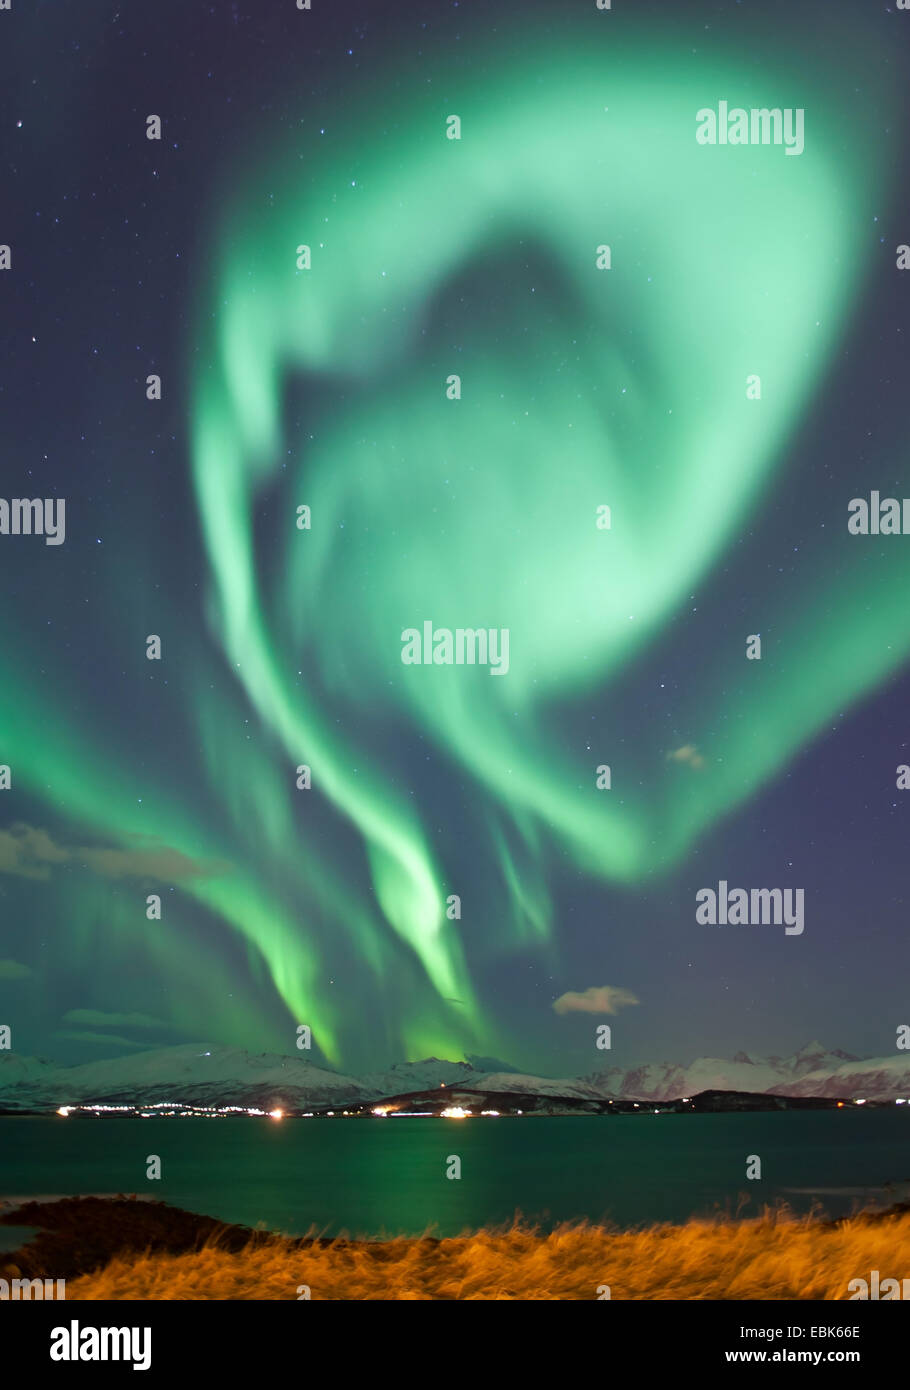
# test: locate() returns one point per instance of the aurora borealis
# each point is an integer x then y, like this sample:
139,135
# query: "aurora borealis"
580,387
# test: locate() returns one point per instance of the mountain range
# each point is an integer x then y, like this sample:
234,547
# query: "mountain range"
220,1076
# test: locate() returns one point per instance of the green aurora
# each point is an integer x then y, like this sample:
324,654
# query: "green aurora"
580,387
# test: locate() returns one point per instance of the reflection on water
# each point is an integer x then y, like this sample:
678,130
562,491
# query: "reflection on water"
366,1176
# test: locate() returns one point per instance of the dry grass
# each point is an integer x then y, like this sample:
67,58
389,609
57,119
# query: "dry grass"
775,1257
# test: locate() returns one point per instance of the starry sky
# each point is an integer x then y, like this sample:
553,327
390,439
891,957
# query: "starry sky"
326,387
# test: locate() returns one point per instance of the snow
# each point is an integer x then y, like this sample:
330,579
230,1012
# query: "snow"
205,1074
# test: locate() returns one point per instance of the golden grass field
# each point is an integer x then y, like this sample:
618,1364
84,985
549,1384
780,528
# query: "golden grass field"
775,1257
124,1248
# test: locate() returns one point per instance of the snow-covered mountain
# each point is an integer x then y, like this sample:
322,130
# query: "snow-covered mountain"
228,1076
403,1077
540,1085
665,1081
883,1078
23,1071
202,1076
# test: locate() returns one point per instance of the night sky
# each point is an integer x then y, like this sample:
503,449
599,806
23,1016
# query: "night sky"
326,387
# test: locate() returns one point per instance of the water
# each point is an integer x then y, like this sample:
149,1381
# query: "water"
13,1237
369,1176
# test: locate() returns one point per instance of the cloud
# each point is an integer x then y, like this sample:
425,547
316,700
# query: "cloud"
602,999
158,862
94,1018
106,1038
27,852
688,755
14,970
